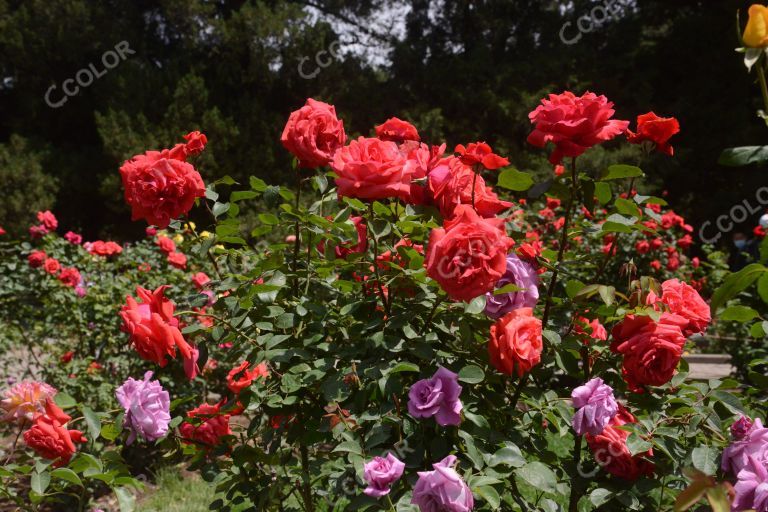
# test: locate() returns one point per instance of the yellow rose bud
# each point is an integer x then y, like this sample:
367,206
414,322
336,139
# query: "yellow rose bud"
220,247
191,226
756,33
205,234
178,239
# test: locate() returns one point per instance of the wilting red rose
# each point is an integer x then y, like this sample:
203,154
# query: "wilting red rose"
36,258
241,377
651,349
683,300
658,130
159,187
612,453
69,276
480,153
199,280
420,160
154,331
101,248
178,260
48,220
165,244
313,134
450,184
52,266
573,123
359,246
516,343
50,438
397,131
214,426
371,169
468,255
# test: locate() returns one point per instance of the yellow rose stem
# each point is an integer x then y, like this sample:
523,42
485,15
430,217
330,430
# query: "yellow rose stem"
761,79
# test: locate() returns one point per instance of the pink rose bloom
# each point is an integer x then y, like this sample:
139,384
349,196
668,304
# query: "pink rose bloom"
752,487
147,408
48,220
753,443
25,400
442,490
596,407
73,238
573,123
381,473
38,231
371,169
313,134
438,397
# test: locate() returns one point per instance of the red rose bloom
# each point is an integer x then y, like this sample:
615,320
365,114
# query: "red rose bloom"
573,123
166,244
154,331
67,357
2,231
468,255
651,349
214,426
48,220
480,153
611,452
450,184
199,280
371,169
683,300
241,377
178,260
420,160
397,131
642,247
52,266
69,276
516,343
105,249
313,134
196,142
658,130
50,438
160,186
36,259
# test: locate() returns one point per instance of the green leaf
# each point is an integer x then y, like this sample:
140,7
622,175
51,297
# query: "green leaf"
603,192
512,179
39,482
490,495
739,314
703,459
64,400
600,496
476,306
539,476
510,288
762,287
67,475
93,422
349,447
637,444
404,367
744,155
125,499
220,208
627,207
510,455
621,171
110,431
258,184
736,283
471,374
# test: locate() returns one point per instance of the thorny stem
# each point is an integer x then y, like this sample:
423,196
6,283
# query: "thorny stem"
761,79
297,242
376,266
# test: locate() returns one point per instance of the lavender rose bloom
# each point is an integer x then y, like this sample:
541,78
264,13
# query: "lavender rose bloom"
147,408
381,473
442,490
752,487
438,397
522,275
596,407
754,443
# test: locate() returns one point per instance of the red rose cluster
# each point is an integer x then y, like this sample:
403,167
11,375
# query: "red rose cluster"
50,437
162,185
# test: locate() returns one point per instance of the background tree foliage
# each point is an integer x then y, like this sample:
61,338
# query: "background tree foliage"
457,69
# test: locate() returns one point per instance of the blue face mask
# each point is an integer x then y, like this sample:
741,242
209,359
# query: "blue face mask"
740,244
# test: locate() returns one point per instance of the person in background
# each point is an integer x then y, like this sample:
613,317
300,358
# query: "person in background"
743,252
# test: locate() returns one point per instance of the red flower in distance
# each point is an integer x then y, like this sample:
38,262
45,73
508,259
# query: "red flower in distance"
371,169
160,186
69,276
612,453
480,153
178,260
450,184
154,331
52,266
241,377
214,426
199,280
313,134
651,349
658,130
573,123
516,343
48,220
36,258
50,438
101,248
468,255
397,131
166,244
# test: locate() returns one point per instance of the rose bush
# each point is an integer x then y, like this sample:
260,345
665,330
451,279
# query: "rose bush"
408,340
